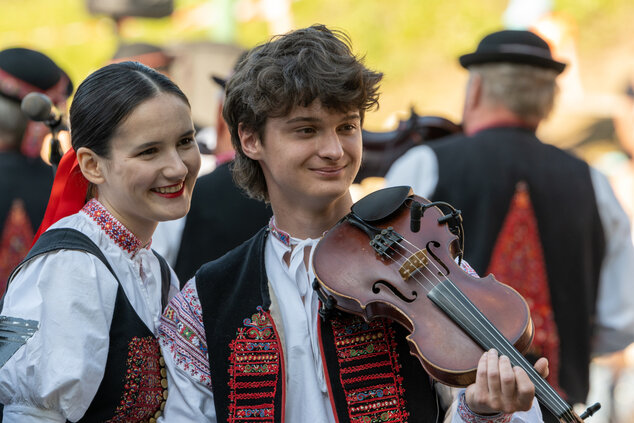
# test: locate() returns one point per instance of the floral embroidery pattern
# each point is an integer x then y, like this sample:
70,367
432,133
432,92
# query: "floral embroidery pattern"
254,368
143,392
369,370
182,333
112,227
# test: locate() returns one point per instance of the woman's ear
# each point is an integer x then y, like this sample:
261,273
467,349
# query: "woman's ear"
250,142
91,165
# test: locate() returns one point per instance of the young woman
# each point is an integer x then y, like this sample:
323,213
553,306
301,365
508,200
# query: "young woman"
95,356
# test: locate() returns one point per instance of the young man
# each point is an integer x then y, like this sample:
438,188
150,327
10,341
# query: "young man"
244,341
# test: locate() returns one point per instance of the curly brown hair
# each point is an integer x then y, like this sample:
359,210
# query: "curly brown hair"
293,70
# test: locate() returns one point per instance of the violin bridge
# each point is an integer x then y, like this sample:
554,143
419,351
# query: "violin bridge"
413,263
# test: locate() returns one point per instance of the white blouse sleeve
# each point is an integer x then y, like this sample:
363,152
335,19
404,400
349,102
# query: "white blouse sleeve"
184,347
615,302
56,374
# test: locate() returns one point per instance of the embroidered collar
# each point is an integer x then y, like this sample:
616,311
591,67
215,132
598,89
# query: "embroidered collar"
125,239
282,236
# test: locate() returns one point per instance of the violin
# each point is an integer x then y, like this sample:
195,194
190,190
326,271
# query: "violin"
397,256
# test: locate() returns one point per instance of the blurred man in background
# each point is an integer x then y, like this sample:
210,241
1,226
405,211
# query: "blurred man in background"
536,217
222,215
25,181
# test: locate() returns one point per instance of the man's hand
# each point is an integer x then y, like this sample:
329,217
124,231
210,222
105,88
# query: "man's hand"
500,387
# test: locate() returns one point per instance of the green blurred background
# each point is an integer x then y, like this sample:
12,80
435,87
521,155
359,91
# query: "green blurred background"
414,42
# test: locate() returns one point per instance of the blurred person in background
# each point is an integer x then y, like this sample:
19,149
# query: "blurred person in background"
25,180
538,218
613,374
623,178
150,55
222,215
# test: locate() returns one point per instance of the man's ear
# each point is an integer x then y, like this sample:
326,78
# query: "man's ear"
91,165
250,142
475,91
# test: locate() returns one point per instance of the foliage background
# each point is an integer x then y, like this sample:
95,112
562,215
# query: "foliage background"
414,42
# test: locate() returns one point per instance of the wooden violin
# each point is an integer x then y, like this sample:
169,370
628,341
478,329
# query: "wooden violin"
396,255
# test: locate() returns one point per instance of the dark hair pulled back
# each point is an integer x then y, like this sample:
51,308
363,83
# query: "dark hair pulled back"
108,96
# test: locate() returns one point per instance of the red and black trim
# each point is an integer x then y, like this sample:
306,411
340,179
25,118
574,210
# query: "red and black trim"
370,372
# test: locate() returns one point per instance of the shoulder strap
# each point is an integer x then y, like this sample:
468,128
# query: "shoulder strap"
64,239
72,239
166,279
58,239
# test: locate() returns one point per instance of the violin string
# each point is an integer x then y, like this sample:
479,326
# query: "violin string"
547,389
512,352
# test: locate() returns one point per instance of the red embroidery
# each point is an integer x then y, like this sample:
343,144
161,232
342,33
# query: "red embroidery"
143,393
17,235
518,260
125,239
369,370
254,369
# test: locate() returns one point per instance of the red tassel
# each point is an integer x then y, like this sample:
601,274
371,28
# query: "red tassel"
68,194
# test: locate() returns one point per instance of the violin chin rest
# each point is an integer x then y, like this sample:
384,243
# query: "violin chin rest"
382,203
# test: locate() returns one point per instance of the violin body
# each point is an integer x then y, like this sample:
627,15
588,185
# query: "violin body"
394,256
446,352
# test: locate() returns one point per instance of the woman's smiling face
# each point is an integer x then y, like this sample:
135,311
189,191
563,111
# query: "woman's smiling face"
152,166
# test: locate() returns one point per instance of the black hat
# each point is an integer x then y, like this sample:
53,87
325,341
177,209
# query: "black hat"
222,81
23,70
513,46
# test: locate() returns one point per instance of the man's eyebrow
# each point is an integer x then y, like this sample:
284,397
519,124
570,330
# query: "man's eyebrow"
353,115
303,119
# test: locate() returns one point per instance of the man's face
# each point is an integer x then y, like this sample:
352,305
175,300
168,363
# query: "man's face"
309,157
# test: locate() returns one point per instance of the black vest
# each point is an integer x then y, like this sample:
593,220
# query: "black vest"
133,385
478,175
220,218
370,371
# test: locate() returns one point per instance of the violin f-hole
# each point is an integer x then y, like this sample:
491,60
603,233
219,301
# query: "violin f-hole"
436,244
376,289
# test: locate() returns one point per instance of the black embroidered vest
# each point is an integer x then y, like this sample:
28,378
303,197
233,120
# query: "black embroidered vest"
479,174
133,388
371,375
